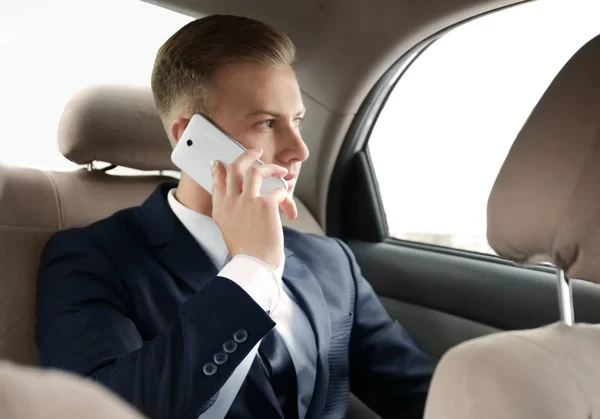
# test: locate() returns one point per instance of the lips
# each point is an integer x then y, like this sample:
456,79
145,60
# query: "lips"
290,179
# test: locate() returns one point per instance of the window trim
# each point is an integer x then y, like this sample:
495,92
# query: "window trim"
470,254
360,131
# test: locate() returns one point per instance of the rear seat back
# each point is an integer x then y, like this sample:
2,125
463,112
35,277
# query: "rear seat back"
33,205
28,217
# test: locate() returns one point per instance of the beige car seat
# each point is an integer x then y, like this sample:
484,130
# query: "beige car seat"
30,393
118,125
544,206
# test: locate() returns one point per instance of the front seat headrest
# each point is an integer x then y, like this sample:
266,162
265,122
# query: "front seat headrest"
115,124
31,393
545,203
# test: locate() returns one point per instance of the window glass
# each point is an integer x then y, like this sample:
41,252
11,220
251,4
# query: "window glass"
52,49
447,126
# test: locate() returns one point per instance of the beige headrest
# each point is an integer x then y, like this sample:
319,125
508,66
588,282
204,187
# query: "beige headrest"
114,124
545,204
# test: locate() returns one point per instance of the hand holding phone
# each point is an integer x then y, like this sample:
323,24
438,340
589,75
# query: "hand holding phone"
250,222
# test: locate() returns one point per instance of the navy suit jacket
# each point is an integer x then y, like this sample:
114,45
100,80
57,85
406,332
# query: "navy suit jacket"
133,302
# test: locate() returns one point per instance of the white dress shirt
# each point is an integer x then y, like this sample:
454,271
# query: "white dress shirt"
266,288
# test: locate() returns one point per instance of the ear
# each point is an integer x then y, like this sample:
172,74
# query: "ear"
177,127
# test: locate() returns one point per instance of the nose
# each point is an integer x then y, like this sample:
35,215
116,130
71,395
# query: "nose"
294,148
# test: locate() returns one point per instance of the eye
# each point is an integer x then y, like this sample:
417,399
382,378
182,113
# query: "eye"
266,124
298,122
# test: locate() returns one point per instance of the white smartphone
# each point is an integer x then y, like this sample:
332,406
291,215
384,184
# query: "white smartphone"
203,141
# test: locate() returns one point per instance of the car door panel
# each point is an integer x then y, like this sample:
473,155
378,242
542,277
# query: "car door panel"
434,330
443,298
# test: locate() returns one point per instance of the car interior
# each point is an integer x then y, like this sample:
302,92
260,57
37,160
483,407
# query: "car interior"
513,337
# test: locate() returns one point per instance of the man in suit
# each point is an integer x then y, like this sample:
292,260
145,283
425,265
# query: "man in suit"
202,306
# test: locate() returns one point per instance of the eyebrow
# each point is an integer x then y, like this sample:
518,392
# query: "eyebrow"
273,114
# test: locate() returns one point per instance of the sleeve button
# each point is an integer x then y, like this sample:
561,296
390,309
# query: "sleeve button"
220,358
230,346
209,369
240,336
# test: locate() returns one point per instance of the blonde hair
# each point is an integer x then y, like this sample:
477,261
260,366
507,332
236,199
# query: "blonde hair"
185,63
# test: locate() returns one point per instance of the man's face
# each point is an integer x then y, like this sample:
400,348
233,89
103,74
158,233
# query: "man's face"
261,106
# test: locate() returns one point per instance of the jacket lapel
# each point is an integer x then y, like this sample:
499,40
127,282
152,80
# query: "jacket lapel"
176,249
309,294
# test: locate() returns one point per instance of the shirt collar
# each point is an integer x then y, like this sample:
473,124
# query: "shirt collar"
203,228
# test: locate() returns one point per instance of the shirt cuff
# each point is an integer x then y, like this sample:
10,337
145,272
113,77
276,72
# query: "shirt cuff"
255,277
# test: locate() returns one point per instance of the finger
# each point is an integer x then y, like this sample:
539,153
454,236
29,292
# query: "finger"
236,170
255,176
286,202
218,175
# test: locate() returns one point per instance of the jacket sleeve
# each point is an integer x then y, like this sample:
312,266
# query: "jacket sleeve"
84,326
388,371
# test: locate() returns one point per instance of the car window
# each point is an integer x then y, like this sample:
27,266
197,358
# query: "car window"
449,122
52,49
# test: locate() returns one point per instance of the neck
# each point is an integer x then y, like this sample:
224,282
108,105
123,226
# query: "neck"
193,196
